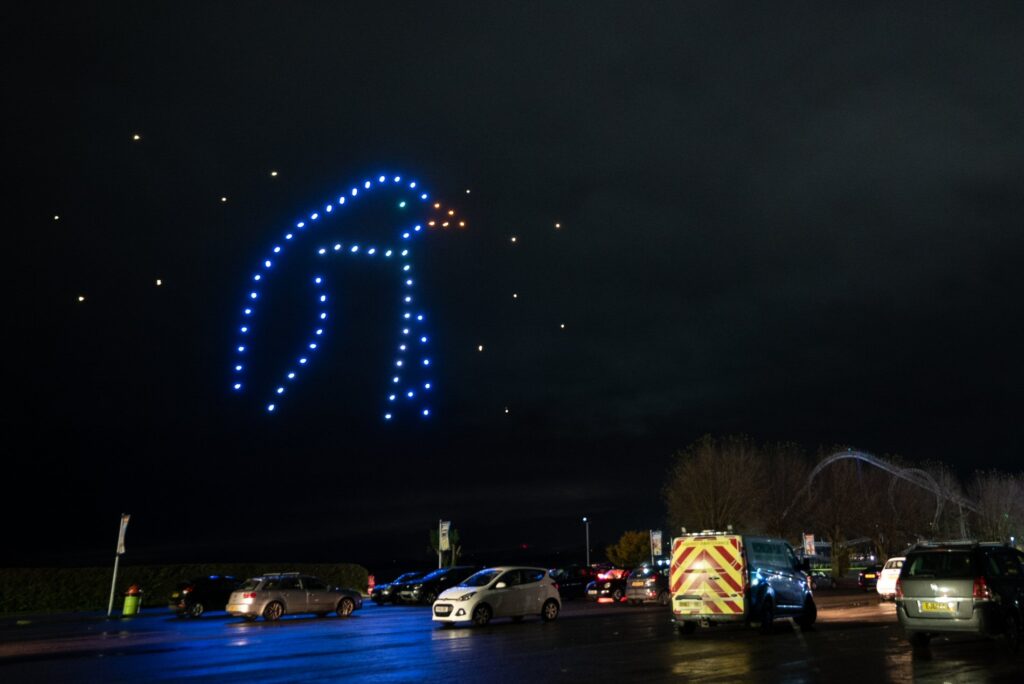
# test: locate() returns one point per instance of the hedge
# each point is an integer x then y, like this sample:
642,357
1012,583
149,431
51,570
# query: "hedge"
88,589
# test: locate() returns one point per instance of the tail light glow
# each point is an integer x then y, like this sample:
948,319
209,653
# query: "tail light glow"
249,595
981,590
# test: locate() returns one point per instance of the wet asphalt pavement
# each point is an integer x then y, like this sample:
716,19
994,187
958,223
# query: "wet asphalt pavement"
856,640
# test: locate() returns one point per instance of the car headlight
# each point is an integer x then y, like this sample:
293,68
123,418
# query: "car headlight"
466,597
417,587
607,585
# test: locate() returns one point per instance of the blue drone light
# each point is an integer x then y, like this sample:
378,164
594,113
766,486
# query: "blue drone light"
314,344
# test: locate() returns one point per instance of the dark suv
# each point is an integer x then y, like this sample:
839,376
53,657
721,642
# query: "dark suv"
964,587
200,594
426,589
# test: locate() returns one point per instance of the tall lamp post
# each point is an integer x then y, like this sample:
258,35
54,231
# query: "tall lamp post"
586,524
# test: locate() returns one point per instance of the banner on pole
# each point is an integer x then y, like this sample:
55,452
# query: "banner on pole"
809,545
443,542
655,543
120,534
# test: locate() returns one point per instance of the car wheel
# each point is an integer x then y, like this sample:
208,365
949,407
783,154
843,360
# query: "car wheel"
345,607
196,609
482,615
767,616
919,639
1013,632
663,599
273,611
808,615
617,595
549,611
686,627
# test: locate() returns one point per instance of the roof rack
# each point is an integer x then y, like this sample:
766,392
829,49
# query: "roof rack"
972,543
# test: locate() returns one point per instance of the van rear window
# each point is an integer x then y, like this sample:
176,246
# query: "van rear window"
940,565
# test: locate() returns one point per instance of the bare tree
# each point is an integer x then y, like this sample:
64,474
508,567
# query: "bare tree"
786,467
1000,497
715,483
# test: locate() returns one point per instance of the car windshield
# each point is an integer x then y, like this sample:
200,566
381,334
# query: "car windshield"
940,564
437,573
407,576
642,571
481,579
249,585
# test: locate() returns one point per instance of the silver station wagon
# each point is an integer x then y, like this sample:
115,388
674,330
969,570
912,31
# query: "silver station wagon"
288,593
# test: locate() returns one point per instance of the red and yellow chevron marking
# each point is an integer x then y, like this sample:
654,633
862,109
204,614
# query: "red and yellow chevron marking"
707,573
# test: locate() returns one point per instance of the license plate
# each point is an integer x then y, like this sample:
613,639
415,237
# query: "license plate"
592,592
175,595
936,607
689,605
638,584
869,577
442,610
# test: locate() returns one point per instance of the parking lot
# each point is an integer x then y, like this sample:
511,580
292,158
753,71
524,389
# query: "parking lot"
856,640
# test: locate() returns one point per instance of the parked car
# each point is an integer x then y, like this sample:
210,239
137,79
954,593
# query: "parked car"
822,579
972,588
572,580
275,595
499,592
200,594
647,585
886,585
383,594
726,577
426,589
868,577
610,585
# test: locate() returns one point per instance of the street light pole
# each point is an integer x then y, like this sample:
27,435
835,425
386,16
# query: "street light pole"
586,523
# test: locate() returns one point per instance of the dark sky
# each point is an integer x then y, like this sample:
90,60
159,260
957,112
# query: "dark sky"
798,223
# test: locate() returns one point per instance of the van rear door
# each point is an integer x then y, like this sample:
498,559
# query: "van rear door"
707,576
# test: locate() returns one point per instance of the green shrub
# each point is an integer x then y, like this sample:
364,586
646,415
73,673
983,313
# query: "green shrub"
85,589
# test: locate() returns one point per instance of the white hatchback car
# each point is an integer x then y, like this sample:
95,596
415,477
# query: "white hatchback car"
886,585
499,592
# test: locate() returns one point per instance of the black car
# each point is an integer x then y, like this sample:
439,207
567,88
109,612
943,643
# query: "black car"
572,581
198,595
426,589
822,579
383,594
610,585
868,577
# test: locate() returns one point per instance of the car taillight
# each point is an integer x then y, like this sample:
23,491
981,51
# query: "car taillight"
898,591
981,590
555,585
249,594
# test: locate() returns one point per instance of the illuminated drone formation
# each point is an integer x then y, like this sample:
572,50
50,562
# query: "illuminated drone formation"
409,384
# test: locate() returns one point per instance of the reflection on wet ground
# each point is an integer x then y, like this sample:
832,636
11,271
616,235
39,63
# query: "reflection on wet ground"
856,640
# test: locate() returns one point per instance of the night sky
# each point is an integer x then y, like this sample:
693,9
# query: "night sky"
798,223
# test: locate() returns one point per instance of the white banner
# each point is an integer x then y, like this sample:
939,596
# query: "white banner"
120,534
655,543
809,545
443,542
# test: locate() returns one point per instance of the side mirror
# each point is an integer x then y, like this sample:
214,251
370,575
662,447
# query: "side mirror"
500,585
